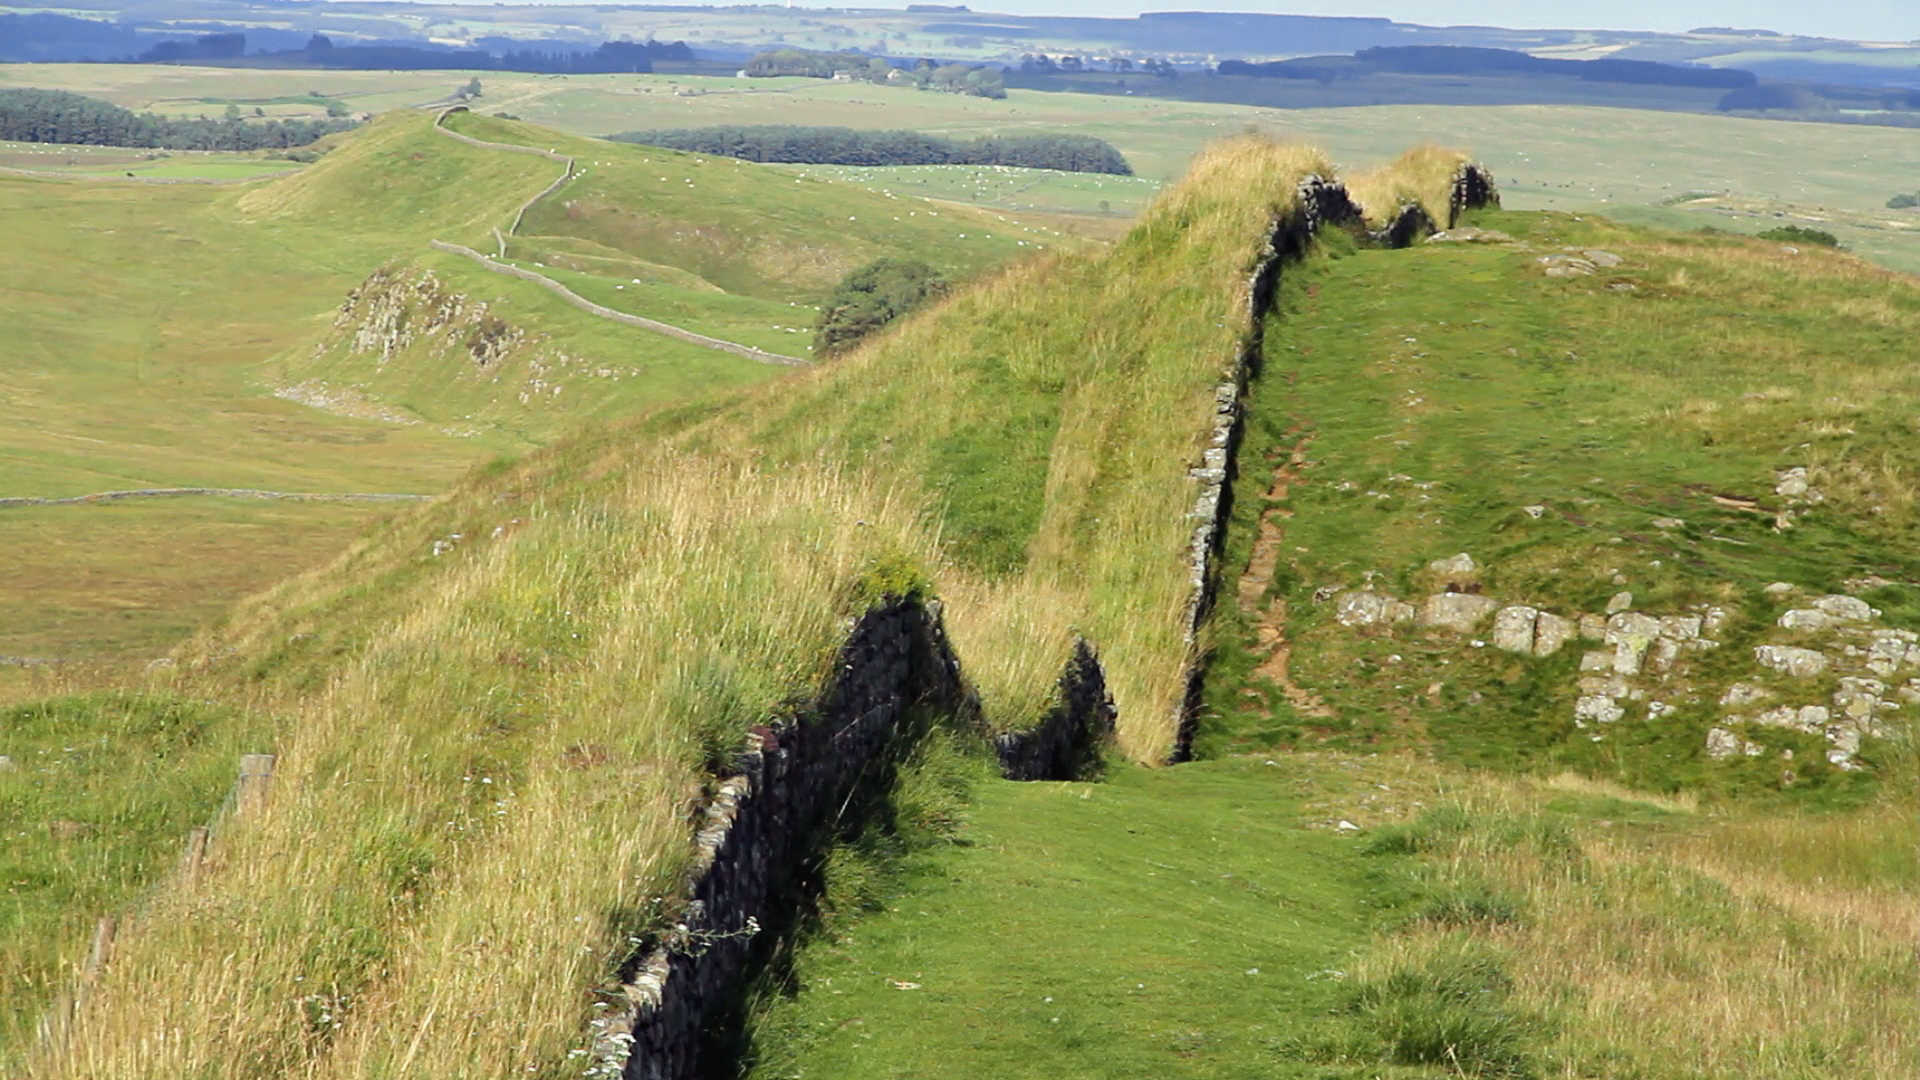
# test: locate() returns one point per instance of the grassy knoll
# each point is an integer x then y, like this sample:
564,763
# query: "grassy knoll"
567,645
196,366
730,221
1000,406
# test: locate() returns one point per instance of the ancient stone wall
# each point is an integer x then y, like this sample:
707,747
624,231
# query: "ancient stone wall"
1067,744
791,794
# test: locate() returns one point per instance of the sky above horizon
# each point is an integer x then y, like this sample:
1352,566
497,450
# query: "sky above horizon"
1866,20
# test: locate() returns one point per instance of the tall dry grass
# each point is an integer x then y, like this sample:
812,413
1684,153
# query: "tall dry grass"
1422,176
1779,947
471,820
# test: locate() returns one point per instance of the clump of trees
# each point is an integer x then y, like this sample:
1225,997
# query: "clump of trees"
847,146
1903,201
975,79
1799,234
56,116
870,298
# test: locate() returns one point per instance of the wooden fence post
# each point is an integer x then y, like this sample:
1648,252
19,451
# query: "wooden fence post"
194,854
250,790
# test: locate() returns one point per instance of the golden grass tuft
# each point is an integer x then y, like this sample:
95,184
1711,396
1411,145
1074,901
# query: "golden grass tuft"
1422,176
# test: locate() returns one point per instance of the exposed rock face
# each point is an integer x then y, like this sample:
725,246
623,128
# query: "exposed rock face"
1804,619
1846,607
1597,709
1646,657
1460,612
1722,744
1792,660
389,312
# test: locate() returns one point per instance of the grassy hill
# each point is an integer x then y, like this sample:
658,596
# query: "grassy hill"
224,356
1407,856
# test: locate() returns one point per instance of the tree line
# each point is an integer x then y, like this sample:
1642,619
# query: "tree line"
847,146
230,49
1461,60
56,116
975,79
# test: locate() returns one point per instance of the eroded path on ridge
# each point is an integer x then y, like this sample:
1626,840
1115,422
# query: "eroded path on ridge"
1269,615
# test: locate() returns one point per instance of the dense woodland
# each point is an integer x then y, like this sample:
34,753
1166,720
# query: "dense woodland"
848,146
55,116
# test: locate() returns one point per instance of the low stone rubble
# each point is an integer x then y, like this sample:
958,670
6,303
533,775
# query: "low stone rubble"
1641,659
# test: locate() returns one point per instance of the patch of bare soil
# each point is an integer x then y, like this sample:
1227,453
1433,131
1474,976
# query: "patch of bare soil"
1270,616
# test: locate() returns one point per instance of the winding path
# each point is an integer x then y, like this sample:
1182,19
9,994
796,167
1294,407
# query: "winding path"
571,297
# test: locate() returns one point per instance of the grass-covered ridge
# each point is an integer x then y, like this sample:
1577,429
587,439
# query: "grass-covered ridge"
1006,406
501,704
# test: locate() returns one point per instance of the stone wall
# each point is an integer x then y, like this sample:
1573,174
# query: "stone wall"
1069,742
796,789
1321,203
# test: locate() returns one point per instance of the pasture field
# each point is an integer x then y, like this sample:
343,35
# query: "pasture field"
1630,164
184,336
123,161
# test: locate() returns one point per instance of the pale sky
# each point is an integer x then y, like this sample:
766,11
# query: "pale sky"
1870,20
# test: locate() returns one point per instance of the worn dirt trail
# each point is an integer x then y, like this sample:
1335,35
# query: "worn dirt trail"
1270,621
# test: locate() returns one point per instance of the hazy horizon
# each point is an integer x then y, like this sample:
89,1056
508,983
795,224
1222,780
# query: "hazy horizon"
1866,20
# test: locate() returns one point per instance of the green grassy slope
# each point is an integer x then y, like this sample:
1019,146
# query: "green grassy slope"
1619,405
501,634
1475,914
1346,917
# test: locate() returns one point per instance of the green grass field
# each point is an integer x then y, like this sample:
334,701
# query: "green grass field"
1628,164
1216,920
494,710
201,370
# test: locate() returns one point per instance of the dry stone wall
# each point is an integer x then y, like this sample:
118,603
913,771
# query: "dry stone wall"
1068,743
786,799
